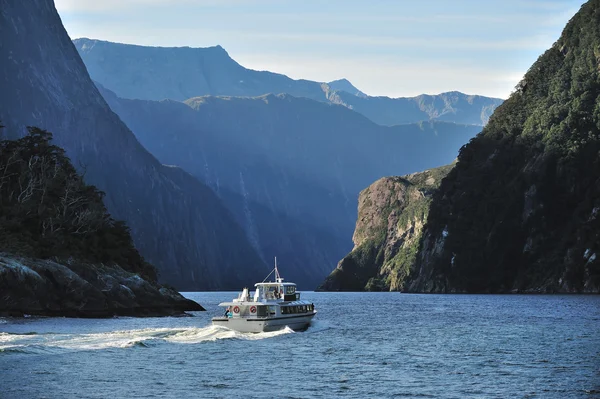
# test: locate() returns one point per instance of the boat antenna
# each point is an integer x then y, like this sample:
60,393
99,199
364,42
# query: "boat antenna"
277,275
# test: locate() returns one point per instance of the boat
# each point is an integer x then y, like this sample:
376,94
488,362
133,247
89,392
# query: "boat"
275,305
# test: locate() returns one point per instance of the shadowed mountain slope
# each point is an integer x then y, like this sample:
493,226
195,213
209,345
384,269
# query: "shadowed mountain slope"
177,223
289,168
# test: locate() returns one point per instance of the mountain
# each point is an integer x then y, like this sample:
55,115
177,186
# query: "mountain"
450,107
48,212
177,223
345,85
180,73
520,210
289,168
392,213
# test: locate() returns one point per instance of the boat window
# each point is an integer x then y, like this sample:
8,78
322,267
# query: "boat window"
290,289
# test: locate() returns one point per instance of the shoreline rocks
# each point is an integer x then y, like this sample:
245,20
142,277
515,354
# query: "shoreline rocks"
73,289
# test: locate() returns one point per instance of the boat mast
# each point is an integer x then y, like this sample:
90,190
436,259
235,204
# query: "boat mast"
278,278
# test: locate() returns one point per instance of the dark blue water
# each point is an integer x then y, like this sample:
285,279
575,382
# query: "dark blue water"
361,345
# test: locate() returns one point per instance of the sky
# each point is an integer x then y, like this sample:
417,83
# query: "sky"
392,48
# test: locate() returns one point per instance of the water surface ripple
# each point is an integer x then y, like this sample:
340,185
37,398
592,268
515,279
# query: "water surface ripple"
361,345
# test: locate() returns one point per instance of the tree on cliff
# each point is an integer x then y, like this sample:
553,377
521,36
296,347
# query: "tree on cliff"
47,210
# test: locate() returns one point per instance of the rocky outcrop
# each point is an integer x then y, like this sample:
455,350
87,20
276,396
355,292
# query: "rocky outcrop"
73,289
180,73
391,217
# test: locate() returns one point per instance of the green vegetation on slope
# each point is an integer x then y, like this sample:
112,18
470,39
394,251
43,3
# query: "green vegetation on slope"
47,211
520,211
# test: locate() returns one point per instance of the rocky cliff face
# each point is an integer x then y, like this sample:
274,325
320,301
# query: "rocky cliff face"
158,73
391,216
177,223
289,168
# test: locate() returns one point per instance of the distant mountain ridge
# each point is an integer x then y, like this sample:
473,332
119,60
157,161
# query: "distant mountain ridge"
449,107
177,223
345,85
180,73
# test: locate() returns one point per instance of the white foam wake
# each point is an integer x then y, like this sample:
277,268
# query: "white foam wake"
123,339
318,326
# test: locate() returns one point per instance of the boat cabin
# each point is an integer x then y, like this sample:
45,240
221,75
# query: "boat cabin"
276,291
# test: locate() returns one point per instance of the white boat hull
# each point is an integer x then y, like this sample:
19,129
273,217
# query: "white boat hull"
266,324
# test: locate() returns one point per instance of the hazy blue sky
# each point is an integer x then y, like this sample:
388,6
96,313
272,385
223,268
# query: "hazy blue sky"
384,47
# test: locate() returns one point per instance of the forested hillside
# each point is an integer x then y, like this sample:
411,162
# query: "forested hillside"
520,210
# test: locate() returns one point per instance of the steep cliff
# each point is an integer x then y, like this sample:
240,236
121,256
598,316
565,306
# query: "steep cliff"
177,223
180,73
391,216
520,211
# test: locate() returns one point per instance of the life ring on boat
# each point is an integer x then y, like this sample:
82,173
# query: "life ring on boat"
252,309
236,309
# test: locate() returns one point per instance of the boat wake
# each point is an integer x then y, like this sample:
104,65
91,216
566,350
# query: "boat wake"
34,343
318,326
